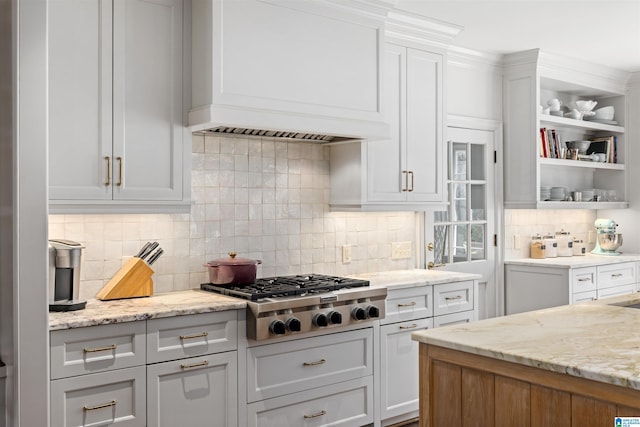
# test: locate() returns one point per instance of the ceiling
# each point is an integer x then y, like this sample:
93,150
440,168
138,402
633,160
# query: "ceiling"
606,32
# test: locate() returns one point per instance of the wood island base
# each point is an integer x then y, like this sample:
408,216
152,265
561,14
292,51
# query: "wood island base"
464,389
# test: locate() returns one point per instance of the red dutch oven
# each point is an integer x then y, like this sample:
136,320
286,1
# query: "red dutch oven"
232,270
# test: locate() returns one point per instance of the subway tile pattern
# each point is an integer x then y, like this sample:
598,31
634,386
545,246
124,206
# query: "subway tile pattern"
263,199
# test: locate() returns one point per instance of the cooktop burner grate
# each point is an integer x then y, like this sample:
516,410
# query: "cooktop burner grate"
286,286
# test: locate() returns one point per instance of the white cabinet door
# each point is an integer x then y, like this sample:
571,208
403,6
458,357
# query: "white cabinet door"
147,84
399,364
80,135
195,392
410,166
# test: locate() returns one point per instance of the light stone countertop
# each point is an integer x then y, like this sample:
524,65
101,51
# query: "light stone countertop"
592,340
414,278
588,260
156,306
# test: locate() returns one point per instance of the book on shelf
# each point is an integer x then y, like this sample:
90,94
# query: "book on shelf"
551,144
606,145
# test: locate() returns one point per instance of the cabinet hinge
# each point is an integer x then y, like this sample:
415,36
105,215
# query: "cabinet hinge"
495,156
495,240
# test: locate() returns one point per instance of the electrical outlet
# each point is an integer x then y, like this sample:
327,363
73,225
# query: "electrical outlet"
400,250
346,254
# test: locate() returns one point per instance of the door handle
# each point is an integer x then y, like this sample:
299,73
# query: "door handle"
410,173
431,265
119,184
406,181
430,246
108,159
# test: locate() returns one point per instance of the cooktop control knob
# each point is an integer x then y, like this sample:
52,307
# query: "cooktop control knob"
293,324
359,313
373,311
335,317
277,327
320,320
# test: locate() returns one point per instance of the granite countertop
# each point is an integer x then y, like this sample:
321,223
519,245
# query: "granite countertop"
589,260
131,309
414,278
593,340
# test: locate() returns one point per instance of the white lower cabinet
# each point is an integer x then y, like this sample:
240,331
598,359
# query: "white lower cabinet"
172,372
408,310
192,392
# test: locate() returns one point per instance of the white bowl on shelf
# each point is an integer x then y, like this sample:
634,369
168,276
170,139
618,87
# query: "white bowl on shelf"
604,113
583,105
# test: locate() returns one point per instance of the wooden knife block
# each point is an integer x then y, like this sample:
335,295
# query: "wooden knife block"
132,281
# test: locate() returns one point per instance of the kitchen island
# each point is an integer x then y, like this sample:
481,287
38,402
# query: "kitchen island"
571,365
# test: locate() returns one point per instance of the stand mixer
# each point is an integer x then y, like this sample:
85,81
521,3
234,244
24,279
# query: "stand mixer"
607,240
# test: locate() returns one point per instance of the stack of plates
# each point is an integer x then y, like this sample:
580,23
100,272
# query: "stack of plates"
545,193
558,193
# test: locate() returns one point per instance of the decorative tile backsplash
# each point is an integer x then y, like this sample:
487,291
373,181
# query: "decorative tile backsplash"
264,199
521,224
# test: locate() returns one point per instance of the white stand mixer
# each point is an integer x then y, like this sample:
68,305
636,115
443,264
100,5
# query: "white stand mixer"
607,240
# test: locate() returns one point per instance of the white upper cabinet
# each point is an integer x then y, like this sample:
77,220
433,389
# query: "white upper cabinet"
407,170
117,140
531,79
307,66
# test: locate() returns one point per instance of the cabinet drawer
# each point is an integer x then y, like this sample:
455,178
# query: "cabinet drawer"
452,297
454,319
106,398
583,279
408,304
616,290
97,348
189,392
290,367
584,296
616,274
194,335
346,404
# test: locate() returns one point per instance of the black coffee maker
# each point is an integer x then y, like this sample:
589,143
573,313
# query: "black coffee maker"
64,275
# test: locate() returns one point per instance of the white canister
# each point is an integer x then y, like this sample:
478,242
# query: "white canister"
565,243
551,246
579,248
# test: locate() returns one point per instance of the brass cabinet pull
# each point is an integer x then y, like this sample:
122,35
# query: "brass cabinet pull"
319,362
411,326
108,159
406,181
453,298
407,304
431,265
411,173
119,184
194,365
317,414
95,350
199,335
101,406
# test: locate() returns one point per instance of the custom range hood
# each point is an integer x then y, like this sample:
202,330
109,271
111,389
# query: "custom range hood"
297,69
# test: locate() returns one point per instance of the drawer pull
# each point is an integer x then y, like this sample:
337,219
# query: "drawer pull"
316,415
319,362
188,337
95,350
453,298
194,365
411,326
408,304
617,275
101,406
584,279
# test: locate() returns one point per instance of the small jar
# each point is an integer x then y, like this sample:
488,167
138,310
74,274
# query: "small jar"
579,248
538,249
565,243
551,246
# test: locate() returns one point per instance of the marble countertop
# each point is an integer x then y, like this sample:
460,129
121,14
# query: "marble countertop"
589,260
414,278
594,340
128,310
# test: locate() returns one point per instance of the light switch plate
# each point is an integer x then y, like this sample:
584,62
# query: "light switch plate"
346,254
400,250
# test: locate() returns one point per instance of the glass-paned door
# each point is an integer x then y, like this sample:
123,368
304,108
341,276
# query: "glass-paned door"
461,236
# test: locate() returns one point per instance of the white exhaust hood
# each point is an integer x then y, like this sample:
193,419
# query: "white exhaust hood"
298,69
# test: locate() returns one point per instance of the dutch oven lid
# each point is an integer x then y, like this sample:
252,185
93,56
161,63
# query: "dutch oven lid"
233,260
